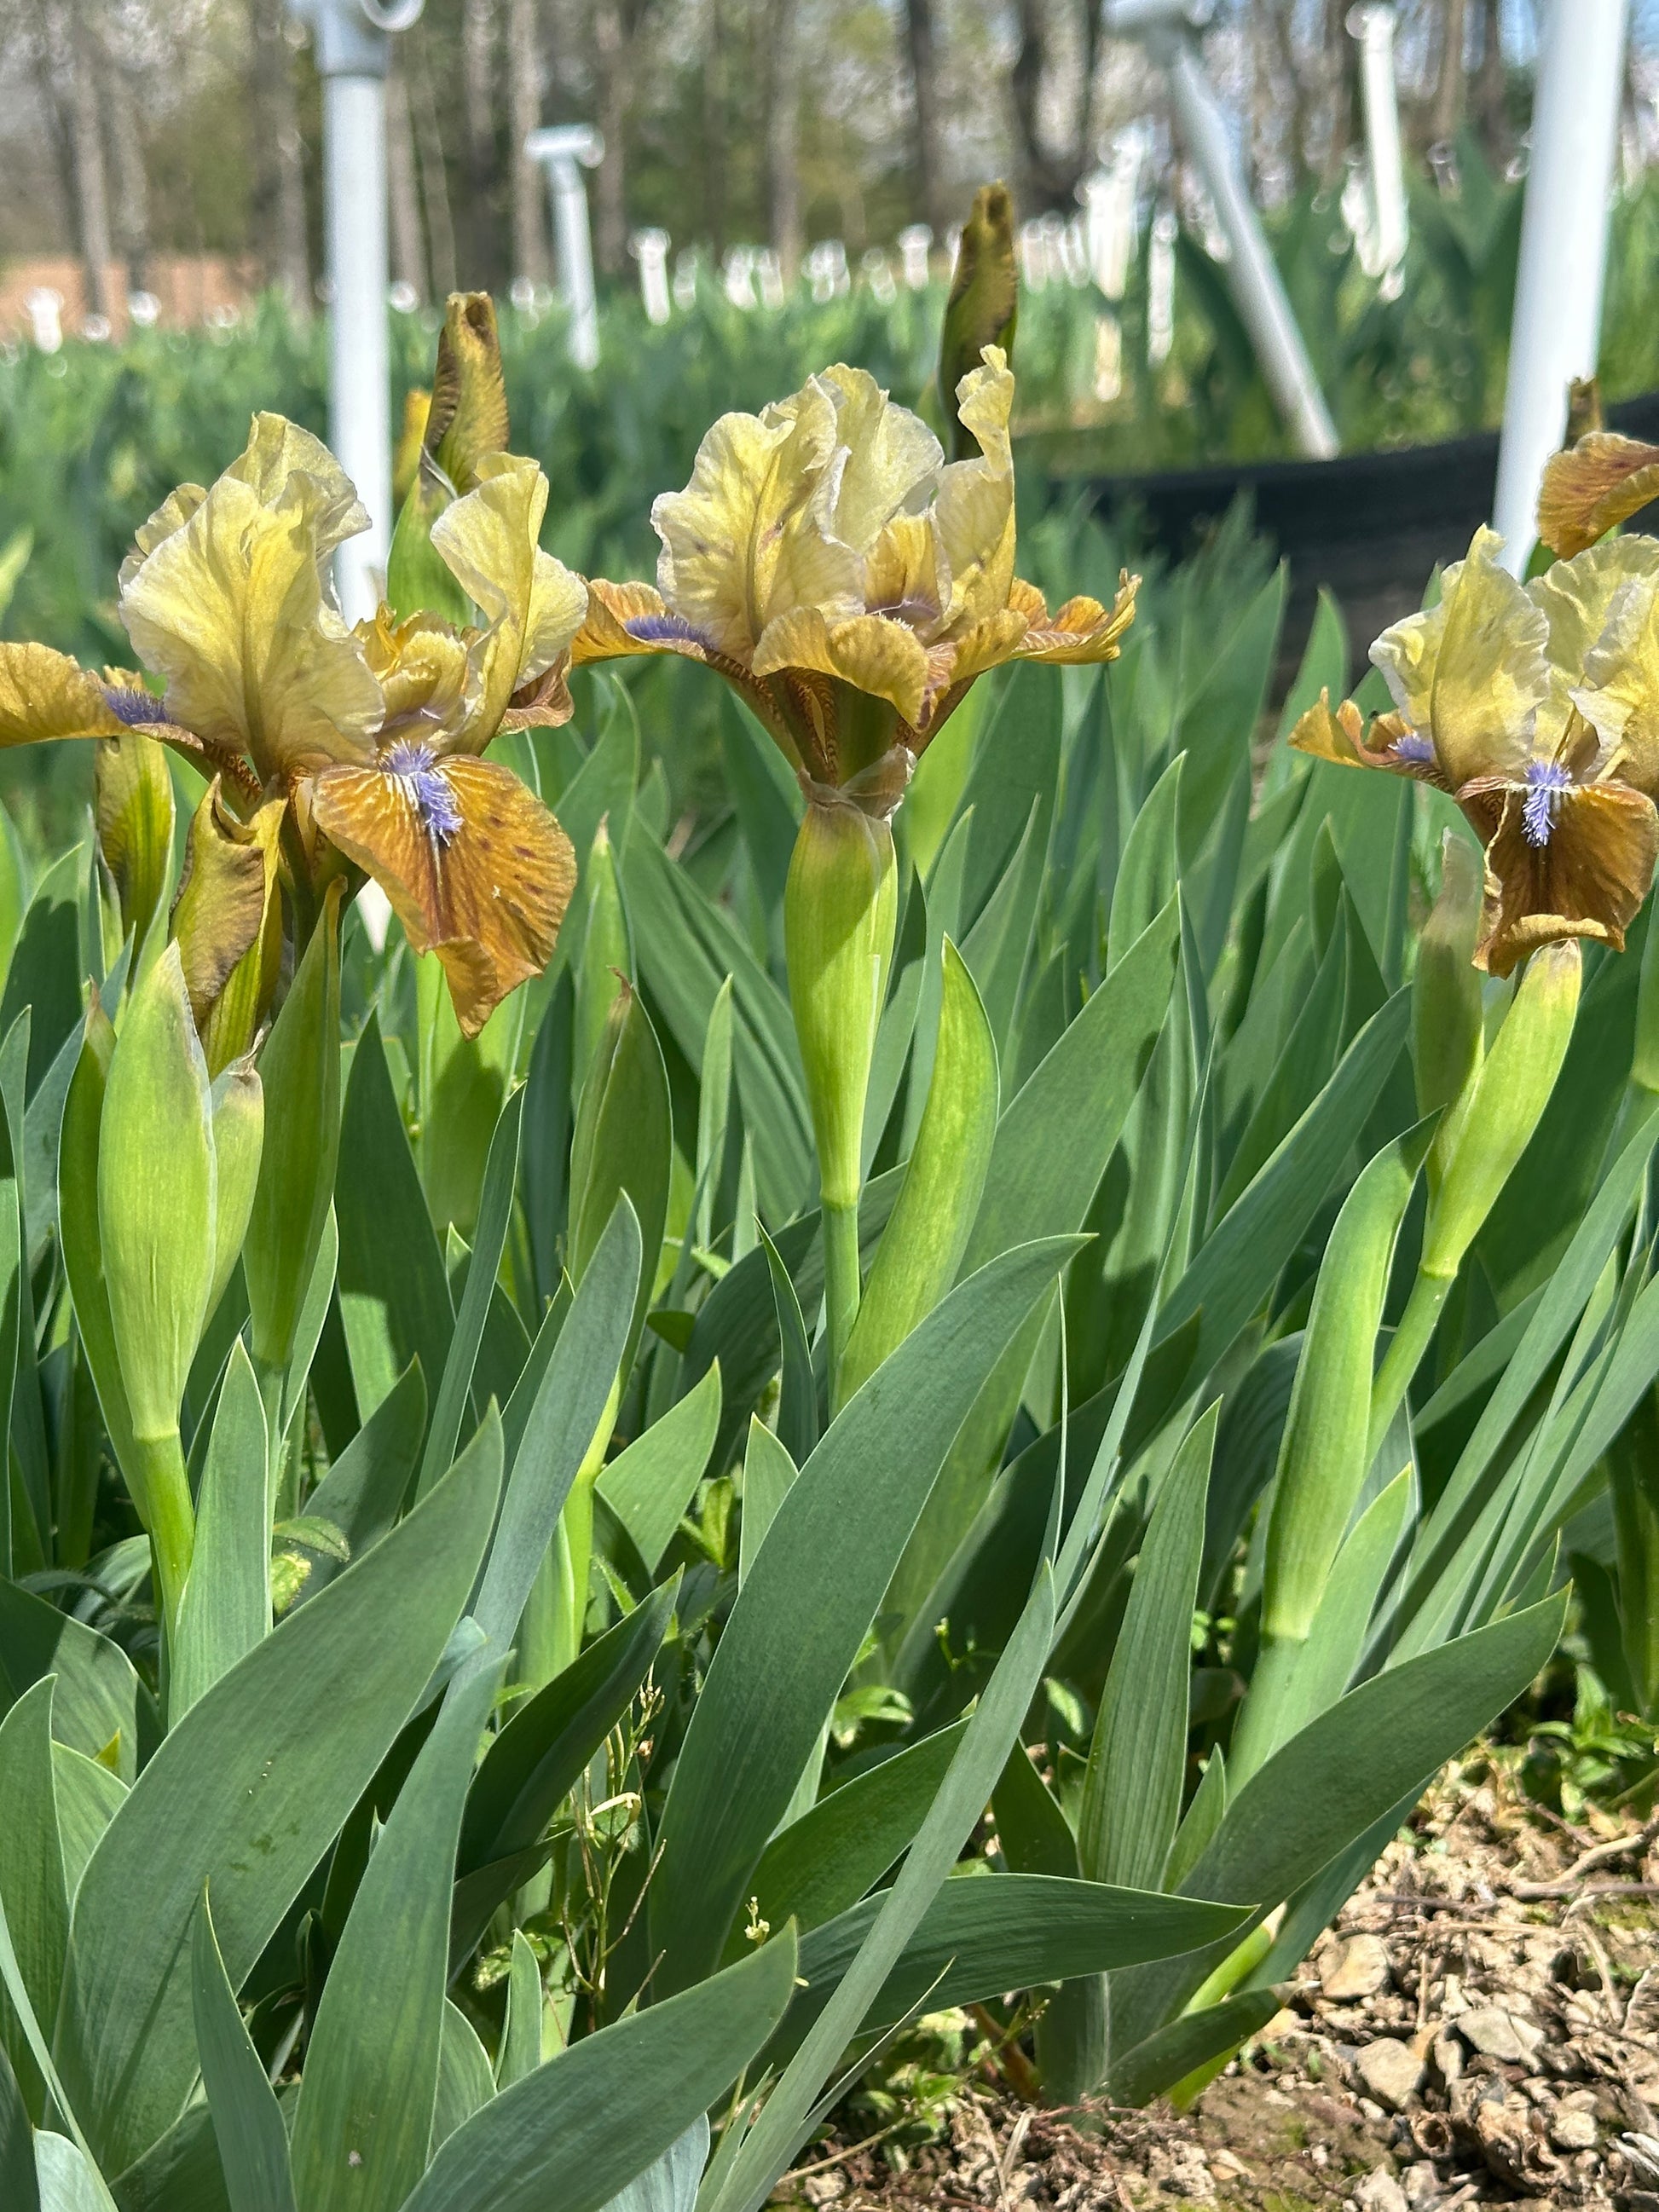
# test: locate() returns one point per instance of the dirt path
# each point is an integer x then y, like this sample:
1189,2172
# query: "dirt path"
1483,2026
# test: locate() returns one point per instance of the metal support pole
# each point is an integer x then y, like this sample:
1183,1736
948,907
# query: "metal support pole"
1253,277
560,151
1373,27
1555,333
352,52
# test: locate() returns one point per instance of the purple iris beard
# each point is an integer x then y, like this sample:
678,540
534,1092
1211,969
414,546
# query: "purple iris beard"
1413,747
1546,781
130,705
426,786
666,629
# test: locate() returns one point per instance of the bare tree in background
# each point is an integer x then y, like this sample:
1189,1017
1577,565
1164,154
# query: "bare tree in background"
921,36
782,79
123,99
617,27
1446,109
279,188
478,91
402,192
524,112
430,145
1050,176
715,127
86,134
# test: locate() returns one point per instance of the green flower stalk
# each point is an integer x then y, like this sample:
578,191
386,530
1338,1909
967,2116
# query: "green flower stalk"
841,909
1485,1132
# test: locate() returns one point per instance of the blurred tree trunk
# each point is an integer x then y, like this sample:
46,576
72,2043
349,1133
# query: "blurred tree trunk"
279,188
1446,110
782,79
524,82
124,100
408,257
434,180
1048,179
715,131
1342,58
920,29
478,97
91,192
1490,86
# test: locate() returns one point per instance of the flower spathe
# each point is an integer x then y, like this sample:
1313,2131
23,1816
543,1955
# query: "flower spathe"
371,737
846,580
1495,693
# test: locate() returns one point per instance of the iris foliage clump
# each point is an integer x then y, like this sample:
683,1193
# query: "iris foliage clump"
675,1440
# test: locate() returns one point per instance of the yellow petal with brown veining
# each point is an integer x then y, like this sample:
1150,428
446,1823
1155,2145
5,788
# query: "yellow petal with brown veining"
227,922
1592,486
874,655
488,897
44,694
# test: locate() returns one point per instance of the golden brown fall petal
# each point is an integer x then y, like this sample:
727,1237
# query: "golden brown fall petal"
1588,878
1593,486
486,890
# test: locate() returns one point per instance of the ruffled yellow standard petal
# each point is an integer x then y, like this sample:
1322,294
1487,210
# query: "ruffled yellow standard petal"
1471,673
232,607
44,694
531,603
1594,485
477,869
1619,694
1578,598
751,535
429,680
227,923
974,507
1587,878
893,459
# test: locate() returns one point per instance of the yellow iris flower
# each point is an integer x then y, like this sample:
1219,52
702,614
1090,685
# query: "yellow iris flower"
846,580
1516,700
368,738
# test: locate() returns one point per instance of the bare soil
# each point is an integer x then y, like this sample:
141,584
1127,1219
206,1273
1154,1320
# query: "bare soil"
1482,2027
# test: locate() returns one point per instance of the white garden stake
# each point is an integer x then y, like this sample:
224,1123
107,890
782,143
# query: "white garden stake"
1373,27
564,153
1555,333
353,50
1166,28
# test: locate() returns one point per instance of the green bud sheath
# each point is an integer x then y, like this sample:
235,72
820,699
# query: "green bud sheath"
238,1128
1488,1127
839,911
134,812
1508,1097
1446,1025
157,1209
300,1069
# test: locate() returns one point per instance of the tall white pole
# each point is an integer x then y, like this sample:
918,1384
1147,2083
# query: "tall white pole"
1373,27
1252,273
352,52
359,397
1555,333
